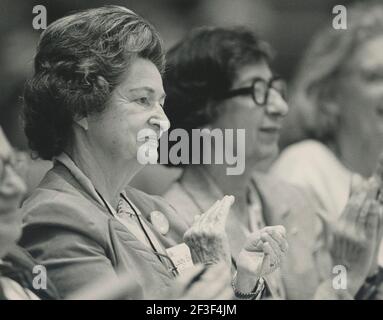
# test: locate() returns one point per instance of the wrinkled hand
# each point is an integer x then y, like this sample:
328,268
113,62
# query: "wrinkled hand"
207,237
375,186
263,251
213,284
261,255
354,239
372,188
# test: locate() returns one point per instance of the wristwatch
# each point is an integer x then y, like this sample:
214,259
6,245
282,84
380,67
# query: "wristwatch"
256,294
370,286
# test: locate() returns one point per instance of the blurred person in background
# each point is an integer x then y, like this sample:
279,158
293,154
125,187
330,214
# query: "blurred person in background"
337,111
220,78
97,85
18,46
16,265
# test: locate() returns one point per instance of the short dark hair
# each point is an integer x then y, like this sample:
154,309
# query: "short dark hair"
202,67
80,60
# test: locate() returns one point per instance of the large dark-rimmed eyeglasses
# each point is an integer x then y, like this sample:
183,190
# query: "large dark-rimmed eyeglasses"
260,90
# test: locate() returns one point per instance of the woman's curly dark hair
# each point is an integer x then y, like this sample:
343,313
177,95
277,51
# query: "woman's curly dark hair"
202,67
80,60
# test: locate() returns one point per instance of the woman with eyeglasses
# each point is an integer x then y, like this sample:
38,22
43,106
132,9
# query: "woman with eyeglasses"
220,79
94,106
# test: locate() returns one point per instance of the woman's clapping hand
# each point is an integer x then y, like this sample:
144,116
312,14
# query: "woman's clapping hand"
207,237
353,240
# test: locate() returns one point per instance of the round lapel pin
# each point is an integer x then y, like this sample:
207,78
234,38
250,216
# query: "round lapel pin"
160,222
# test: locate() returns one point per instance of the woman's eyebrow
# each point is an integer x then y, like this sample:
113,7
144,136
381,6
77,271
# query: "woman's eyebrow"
250,80
148,89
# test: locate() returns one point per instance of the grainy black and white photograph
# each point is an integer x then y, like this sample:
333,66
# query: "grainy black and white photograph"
191,150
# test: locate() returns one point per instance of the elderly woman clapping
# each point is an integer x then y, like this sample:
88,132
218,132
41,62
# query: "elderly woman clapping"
18,268
97,86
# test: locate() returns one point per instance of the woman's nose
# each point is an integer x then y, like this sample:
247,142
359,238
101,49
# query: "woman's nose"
161,121
12,185
276,104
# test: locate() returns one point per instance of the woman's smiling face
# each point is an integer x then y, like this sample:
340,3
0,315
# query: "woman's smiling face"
135,105
360,97
262,124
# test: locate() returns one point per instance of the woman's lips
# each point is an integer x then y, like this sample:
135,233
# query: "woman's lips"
270,133
148,139
270,130
152,141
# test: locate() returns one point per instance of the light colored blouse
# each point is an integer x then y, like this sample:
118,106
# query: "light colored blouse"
313,167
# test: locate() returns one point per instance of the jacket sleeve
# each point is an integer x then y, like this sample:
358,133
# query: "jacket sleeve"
72,259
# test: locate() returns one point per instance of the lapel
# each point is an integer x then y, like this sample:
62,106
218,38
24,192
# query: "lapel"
147,204
116,228
120,235
66,174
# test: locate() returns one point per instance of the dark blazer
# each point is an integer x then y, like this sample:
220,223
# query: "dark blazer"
18,266
79,241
